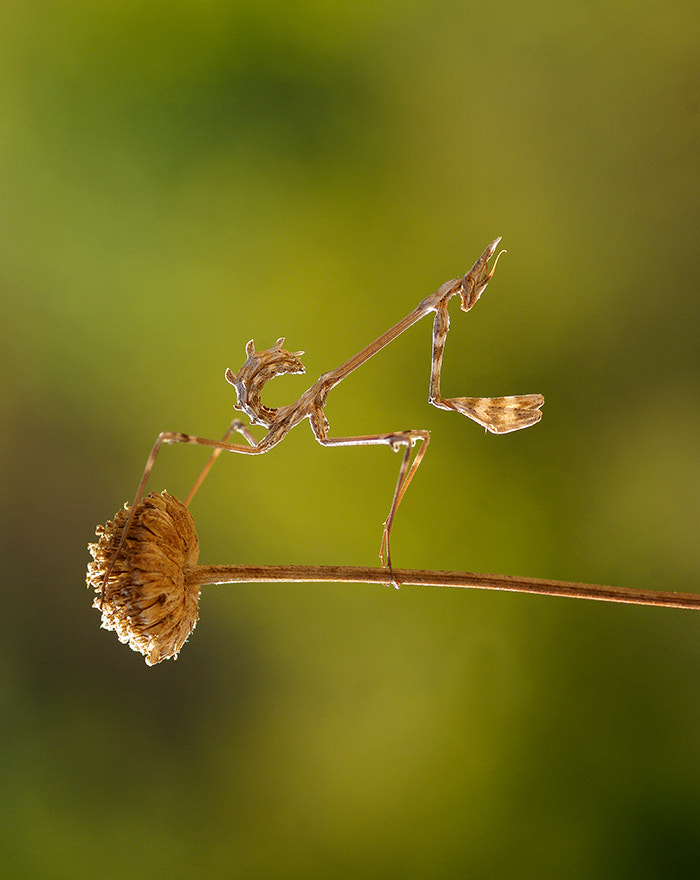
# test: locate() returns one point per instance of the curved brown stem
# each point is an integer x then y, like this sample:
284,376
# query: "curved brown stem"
232,574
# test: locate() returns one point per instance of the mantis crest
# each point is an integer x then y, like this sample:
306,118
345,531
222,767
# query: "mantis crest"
498,415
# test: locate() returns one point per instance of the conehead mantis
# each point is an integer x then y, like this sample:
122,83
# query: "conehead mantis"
498,415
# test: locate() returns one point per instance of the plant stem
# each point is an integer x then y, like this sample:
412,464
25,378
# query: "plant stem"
234,574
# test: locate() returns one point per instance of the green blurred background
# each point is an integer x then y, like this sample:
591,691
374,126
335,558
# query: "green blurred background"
178,178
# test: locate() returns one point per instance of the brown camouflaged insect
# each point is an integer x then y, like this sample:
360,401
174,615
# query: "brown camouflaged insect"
499,415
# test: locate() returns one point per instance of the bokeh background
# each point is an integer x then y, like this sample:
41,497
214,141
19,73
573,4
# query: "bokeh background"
176,179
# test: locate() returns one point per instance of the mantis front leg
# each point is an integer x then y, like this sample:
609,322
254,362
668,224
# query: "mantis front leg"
499,415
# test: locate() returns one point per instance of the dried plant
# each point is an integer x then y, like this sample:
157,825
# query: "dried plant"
149,593
144,569
149,598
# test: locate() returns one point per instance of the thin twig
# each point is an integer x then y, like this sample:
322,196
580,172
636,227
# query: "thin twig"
233,574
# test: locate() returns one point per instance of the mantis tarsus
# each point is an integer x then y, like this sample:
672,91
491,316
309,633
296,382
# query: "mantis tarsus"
499,415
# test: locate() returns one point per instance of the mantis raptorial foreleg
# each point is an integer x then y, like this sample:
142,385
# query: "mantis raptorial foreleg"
499,415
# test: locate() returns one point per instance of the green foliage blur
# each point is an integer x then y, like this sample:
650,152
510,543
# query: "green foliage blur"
178,178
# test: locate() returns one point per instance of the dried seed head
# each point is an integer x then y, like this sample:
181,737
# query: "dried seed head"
147,599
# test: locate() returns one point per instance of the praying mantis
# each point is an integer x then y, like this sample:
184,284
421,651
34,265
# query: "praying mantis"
498,415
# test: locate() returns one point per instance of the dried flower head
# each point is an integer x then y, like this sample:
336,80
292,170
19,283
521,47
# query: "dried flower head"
148,599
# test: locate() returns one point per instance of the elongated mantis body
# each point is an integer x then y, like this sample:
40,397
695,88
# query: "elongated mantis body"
498,415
